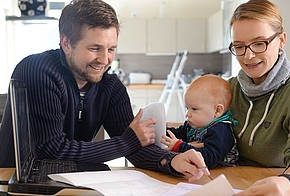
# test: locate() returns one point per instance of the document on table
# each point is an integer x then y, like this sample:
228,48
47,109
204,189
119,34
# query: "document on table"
135,183
115,182
156,110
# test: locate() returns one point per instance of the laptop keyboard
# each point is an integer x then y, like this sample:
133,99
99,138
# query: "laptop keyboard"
44,167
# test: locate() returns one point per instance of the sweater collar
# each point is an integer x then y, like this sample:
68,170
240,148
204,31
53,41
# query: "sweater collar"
225,118
277,77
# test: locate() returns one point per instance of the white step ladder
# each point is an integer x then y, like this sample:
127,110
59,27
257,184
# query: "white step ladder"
175,83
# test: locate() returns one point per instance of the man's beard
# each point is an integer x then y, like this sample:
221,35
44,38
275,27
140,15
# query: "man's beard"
82,74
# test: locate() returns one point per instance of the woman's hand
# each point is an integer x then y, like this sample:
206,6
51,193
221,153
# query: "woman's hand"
275,185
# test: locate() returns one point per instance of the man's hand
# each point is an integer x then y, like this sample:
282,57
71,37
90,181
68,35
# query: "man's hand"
191,164
169,141
268,186
143,130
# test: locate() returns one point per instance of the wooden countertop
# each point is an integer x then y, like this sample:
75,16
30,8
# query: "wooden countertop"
146,86
240,177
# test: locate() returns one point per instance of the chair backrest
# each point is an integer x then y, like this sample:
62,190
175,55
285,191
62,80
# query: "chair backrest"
3,98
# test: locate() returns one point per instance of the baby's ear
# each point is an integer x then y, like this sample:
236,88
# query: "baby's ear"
219,110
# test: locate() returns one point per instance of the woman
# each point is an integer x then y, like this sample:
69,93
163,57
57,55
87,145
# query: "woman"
261,93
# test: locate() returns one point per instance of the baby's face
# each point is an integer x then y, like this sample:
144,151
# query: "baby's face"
200,107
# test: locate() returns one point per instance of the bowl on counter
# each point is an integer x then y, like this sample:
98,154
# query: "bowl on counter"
139,78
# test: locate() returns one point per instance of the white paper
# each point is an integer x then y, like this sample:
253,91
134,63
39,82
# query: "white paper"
220,186
181,189
115,182
156,110
135,183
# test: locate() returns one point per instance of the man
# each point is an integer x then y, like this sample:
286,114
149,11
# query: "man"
71,96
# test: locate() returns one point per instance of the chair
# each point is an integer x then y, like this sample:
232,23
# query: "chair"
3,98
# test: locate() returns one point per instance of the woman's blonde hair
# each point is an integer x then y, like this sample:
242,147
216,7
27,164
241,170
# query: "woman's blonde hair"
262,10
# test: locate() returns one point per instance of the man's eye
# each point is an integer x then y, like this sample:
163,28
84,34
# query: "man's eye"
112,49
94,49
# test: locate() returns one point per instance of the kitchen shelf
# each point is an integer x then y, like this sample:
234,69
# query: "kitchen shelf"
146,86
30,18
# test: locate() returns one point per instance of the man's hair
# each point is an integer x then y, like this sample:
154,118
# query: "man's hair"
86,13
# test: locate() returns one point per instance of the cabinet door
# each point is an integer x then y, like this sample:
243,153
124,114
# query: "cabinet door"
215,32
137,104
132,38
153,95
191,35
161,36
144,96
138,99
174,113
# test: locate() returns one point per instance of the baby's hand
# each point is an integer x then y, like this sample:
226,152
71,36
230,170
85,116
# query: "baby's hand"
196,144
169,141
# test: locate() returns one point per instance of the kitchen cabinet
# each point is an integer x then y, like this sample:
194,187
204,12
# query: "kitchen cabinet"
191,35
139,36
218,27
161,34
132,38
142,95
138,99
215,32
24,36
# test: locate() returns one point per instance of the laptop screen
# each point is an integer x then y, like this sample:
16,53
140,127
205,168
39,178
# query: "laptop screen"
21,129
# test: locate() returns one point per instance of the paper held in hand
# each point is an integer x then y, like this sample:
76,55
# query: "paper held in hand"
156,110
219,186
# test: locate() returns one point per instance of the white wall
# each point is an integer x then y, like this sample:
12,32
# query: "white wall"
21,38
231,6
284,6
10,7
4,7
215,36
3,53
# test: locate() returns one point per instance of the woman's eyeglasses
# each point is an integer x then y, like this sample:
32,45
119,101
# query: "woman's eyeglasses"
256,47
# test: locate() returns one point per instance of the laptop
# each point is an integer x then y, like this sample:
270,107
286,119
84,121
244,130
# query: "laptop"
30,176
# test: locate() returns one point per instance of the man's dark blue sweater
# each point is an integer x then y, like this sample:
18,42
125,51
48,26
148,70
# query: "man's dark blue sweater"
56,130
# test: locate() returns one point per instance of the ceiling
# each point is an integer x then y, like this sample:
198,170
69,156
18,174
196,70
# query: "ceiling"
165,8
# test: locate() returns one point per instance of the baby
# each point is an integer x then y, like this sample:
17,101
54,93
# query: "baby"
207,128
